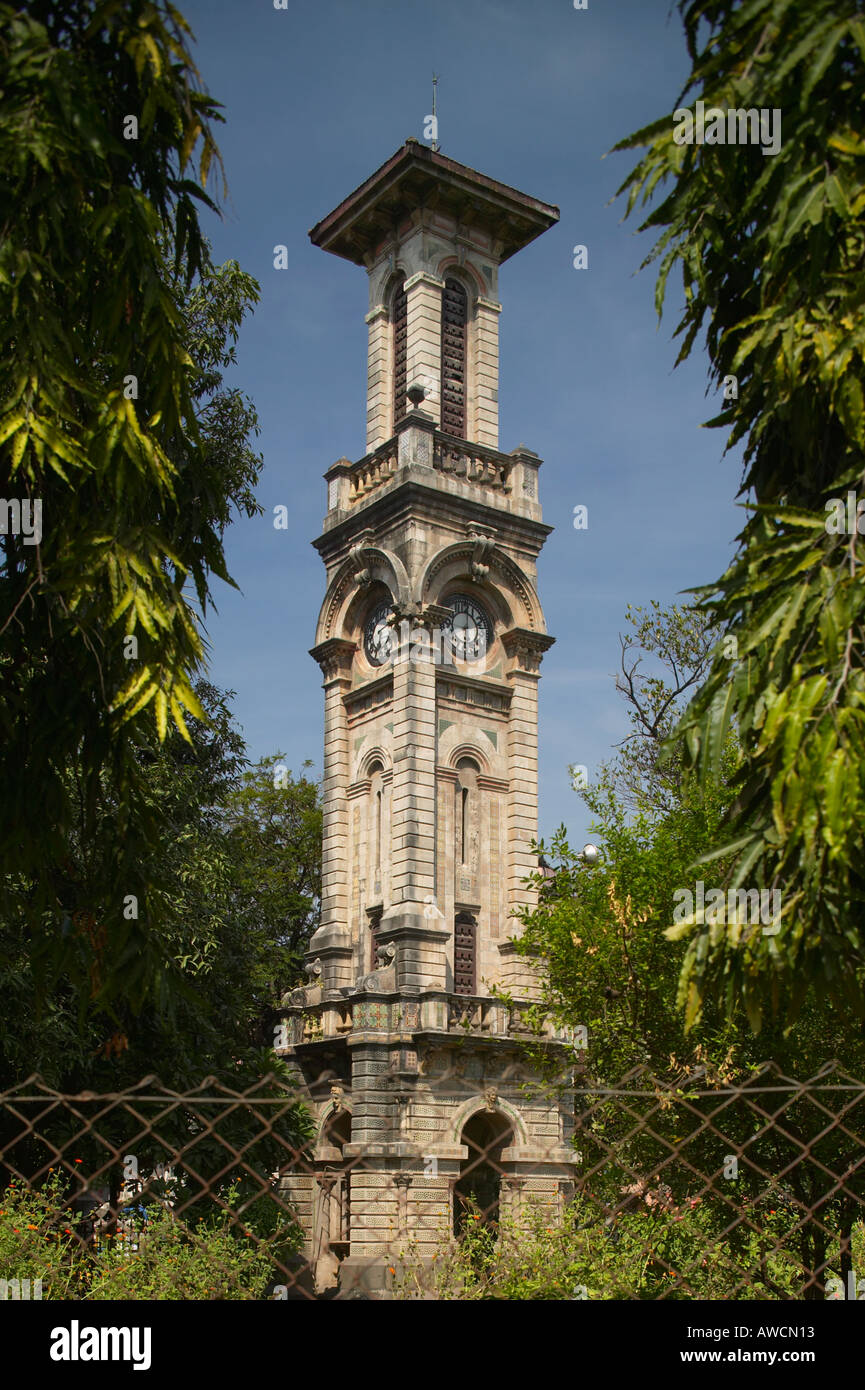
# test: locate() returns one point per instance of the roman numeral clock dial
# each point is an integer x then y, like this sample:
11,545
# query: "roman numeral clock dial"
470,630
378,635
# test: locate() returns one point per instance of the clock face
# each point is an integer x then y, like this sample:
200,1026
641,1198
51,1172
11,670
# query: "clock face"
379,636
469,631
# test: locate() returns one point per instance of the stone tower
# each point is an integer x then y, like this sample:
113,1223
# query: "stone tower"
429,639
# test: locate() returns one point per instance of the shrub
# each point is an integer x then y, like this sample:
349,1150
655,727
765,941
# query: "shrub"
37,1238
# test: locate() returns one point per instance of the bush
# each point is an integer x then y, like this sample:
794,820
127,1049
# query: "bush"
664,1251
38,1240
155,1258
172,1262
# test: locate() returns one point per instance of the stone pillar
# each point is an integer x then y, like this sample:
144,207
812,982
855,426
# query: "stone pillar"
373,1120
331,943
523,481
379,379
511,1196
485,373
338,482
297,1191
325,1262
402,1183
413,793
521,976
525,649
413,920
424,335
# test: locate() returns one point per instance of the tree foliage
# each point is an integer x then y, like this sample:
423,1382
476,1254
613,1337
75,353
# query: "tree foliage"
679,644
600,930
274,826
771,250
115,330
237,869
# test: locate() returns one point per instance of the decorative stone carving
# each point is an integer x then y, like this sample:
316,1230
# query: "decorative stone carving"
360,558
385,954
526,648
484,541
335,657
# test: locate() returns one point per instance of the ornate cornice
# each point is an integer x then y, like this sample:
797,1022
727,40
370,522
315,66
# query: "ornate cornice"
334,657
526,647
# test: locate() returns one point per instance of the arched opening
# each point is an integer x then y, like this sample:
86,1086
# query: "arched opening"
477,1191
337,1130
468,850
375,829
467,782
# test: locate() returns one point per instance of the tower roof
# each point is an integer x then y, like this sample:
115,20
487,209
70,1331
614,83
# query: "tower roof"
417,176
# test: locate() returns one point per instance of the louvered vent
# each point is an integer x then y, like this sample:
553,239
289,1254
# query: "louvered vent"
465,932
400,343
454,317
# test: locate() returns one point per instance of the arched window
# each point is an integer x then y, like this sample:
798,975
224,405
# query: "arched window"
399,319
375,772
453,364
467,782
374,827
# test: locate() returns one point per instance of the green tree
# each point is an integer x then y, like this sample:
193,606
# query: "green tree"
238,863
114,331
228,948
600,927
601,930
680,644
274,825
771,250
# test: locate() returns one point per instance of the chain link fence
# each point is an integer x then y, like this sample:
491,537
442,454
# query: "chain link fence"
684,1190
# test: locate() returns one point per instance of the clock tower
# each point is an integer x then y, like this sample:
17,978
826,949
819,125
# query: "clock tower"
410,1039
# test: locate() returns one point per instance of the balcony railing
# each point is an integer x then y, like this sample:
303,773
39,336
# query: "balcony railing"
456,458
477,1015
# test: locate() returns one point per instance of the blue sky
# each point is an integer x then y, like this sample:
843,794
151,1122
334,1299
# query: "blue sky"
531,92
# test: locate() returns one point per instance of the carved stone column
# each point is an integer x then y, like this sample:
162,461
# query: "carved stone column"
402,1182
331,943
525,649
413,920
326,1263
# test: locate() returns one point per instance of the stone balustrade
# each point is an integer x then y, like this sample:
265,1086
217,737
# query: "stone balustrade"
455,458
482,1015
472,463
372,472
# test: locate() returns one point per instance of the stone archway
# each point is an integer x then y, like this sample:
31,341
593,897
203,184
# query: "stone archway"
485,1134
